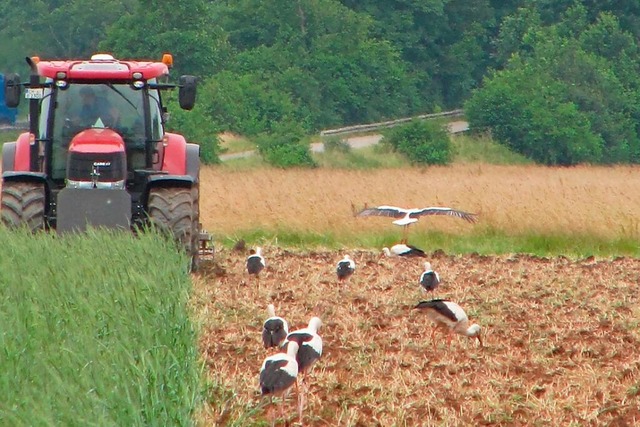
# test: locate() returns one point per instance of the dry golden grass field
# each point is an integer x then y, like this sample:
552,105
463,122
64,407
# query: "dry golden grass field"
603,201
561,335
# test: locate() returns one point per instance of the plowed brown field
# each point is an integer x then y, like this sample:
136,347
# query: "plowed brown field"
561,335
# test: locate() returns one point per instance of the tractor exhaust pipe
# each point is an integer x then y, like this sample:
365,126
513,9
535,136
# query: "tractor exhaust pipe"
34,108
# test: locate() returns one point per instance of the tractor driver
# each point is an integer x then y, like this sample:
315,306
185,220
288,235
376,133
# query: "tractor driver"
93,109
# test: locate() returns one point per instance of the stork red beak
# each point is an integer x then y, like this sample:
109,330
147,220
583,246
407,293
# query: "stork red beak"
480,340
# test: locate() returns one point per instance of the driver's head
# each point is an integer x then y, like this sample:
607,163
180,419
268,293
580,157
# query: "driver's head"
87,94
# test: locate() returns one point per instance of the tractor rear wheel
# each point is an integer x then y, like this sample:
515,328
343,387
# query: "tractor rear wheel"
22,204
171,209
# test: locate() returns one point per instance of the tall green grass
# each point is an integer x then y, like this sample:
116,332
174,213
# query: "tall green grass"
481,148
378,156
95,330
483,241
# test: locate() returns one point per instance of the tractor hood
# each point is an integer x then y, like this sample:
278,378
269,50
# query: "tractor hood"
97,159
97,140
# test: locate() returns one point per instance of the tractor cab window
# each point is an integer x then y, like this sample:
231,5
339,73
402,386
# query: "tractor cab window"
106,105
115,106
43,119
156,115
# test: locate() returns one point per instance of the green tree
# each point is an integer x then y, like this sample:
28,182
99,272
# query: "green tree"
446,42
285,146
184,28
314,62
54,29
570,96
422,142
522,110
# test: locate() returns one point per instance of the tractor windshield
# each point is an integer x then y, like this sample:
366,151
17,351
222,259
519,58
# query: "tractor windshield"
107,105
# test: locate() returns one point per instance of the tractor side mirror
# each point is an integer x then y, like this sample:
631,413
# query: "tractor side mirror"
187,92
12,90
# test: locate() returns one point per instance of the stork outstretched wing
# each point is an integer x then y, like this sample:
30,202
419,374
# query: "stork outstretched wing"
395,212
388,211
469,217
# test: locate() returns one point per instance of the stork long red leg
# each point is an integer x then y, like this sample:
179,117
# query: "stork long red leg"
301,395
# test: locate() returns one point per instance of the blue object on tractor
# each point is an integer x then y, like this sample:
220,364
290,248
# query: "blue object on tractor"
7,115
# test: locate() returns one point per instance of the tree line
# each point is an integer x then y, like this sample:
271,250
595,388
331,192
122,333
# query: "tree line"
555,80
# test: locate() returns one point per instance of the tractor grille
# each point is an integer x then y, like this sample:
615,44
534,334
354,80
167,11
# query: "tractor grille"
110,167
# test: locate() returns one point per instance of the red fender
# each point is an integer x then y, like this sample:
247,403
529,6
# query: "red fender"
23,152
174,160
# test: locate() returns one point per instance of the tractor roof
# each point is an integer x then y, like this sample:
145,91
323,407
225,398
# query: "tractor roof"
102,67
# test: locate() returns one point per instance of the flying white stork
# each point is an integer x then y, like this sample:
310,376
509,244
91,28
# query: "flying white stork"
274,329
308,354
278,374
450,315
407,217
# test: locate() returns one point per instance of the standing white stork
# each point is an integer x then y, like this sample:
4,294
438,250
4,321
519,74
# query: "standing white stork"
278,374
429,279
310,351
274,329
407,217
402,250
345,268
449,314
255,263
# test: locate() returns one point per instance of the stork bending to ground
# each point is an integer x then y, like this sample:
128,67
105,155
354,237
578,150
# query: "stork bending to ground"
274,329
310,351
450,315
407,217
278,374
402,250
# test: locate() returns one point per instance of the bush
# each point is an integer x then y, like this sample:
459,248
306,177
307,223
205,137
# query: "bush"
524,110
335,144
422,142
285,148
196,128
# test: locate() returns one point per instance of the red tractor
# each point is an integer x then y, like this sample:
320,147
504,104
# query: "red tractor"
97,154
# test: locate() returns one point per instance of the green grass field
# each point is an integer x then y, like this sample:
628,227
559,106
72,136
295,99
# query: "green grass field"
95,330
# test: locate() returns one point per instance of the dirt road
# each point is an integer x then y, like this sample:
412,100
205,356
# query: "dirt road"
355,142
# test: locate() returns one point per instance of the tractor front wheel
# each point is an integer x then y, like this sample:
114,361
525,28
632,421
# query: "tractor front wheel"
171,209
23,204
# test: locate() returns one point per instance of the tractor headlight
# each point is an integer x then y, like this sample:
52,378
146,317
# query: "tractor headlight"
114,185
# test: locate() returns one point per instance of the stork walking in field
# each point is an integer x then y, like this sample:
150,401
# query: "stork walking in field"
448,314
429,279
274,329
345,268
255,264
309,353
278,374
406,217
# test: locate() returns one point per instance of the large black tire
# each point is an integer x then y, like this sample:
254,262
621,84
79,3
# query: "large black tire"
23,205
171,209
